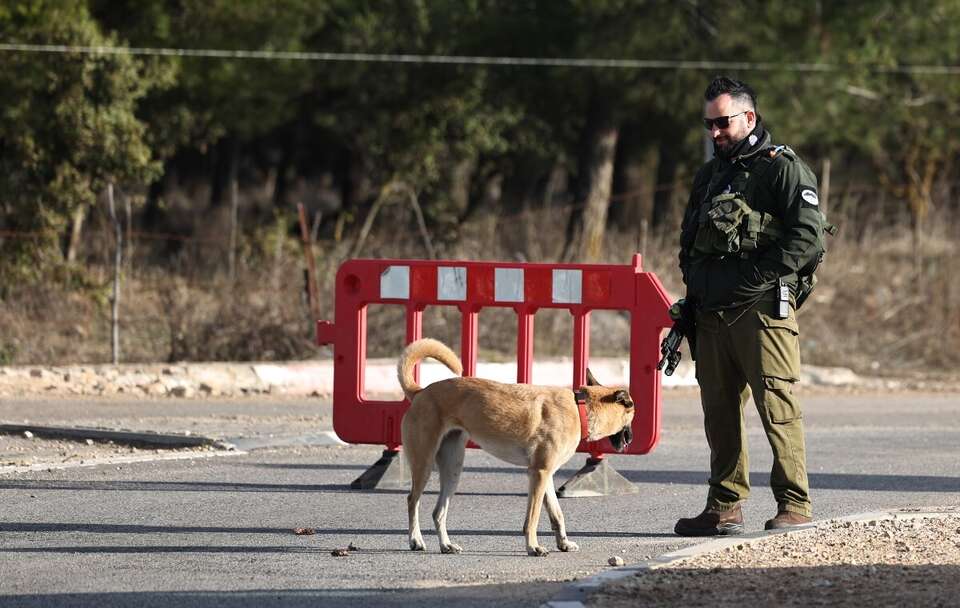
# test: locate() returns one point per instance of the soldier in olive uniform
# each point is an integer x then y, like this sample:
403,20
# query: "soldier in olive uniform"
751,234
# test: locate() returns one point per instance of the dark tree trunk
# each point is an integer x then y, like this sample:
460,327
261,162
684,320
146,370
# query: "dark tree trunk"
587,226
225,167
663,194
634,181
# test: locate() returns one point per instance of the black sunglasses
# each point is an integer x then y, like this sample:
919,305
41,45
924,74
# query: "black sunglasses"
722,122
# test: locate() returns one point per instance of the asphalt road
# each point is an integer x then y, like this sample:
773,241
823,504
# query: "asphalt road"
218,531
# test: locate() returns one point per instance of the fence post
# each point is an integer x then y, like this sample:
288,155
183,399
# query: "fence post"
313,294
117,259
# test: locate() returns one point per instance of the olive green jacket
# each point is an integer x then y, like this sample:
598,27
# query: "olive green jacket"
782,186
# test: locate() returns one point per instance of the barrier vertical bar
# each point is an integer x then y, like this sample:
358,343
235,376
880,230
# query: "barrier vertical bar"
645,336
524,345
469,324
414,330
581,357
581,346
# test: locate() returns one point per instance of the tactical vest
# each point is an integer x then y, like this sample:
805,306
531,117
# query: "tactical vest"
727,224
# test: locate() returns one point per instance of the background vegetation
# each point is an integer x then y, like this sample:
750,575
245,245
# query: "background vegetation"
210,156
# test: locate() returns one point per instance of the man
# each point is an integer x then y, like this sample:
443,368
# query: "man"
751,230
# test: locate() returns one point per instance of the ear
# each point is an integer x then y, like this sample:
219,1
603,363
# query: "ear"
623,398
591,381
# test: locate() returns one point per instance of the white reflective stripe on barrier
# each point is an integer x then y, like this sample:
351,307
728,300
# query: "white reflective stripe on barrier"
508,285
451,283
567,286
395,282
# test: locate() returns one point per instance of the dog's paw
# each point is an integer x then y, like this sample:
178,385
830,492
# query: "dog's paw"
537,551
451,548
568,546
416,544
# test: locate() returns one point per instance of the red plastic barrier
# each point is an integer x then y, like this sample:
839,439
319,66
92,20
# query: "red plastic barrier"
472,286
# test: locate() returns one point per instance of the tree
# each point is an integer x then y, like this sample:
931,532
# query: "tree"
68,128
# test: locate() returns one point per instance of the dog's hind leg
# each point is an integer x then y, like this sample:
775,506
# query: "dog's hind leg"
556,518
419,451
450,464
535,498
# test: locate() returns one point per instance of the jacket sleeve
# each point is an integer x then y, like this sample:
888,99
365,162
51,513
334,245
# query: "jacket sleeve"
791,196
794,200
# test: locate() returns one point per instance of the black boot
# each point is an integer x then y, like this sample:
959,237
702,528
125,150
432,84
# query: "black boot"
712,522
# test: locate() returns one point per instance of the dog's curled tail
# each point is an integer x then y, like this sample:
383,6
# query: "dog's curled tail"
418,351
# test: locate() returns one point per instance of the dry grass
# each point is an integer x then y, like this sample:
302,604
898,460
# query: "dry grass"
873,310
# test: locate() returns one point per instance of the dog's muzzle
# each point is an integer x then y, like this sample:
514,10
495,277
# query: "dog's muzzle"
621,439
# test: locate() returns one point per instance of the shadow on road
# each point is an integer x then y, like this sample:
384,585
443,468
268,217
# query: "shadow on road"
70,527
470,596
820,481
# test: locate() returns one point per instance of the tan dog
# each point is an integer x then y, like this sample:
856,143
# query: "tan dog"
536,427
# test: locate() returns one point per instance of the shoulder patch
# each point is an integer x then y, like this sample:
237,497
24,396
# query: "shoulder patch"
810,195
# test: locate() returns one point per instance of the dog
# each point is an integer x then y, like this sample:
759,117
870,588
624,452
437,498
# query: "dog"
537,427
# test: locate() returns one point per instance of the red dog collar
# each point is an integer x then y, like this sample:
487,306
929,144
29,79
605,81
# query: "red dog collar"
581,397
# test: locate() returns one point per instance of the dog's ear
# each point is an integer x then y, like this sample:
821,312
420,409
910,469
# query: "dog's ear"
623,398
591,381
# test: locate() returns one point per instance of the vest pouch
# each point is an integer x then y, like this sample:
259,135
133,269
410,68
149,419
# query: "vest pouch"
719,221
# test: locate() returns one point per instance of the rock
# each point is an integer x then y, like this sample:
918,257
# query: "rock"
28,434
155,389
616,560
182,391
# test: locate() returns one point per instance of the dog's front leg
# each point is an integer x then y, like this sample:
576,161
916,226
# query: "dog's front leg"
538,487
556,518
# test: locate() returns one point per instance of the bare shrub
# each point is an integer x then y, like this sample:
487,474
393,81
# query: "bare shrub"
873,310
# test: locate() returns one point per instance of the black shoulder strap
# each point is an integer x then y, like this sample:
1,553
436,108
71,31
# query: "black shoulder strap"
763,161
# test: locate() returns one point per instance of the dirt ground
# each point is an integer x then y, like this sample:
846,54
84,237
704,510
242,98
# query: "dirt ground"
19,453
910,560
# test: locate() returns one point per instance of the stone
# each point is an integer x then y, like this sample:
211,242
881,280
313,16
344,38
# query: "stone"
182,391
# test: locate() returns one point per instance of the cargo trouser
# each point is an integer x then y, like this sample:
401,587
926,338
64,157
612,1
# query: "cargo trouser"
738,353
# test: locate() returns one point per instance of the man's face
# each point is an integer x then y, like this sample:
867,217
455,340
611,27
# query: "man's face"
742,122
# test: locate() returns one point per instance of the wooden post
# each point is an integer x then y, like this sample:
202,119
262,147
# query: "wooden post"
313,294
234,213
117,259
642,245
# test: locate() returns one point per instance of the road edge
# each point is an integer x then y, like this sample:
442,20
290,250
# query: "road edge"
575,594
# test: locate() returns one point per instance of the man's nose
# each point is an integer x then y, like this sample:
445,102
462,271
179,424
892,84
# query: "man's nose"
715,132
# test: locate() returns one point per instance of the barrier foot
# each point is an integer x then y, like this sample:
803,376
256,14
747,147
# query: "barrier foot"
390,472
597,478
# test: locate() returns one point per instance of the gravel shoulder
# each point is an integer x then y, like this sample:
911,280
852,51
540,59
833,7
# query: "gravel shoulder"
905,559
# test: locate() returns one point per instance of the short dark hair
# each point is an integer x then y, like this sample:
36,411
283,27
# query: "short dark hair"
740,91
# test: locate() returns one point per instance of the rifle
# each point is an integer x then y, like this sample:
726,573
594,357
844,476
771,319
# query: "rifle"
683,312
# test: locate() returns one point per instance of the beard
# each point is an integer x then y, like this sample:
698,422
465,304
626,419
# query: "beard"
724,143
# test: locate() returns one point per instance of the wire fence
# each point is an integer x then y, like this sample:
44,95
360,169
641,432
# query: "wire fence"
566,62
178,300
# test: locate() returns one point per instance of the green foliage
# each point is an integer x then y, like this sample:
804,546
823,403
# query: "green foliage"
73,122
68,127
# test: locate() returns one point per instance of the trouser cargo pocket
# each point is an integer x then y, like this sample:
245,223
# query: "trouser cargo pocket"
779,345
778,400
